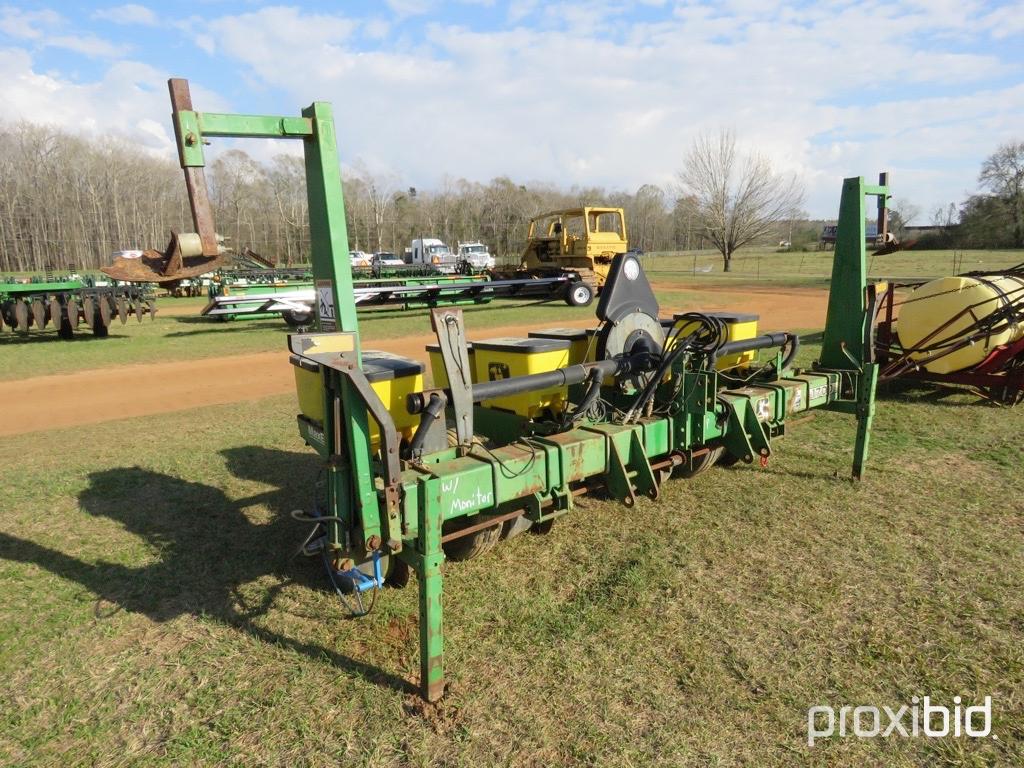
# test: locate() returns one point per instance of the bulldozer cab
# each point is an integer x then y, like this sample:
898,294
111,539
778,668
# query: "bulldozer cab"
575,240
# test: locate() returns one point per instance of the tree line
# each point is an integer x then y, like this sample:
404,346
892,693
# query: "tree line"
67,203
993,218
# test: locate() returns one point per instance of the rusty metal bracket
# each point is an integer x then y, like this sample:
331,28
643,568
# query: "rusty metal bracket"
388,432
195,179
451,337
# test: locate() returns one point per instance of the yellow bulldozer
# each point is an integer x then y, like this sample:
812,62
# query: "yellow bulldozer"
580,242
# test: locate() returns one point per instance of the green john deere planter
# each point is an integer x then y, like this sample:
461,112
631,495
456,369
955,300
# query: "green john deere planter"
516,429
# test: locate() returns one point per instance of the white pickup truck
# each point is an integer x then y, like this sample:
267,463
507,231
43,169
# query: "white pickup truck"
431,252
476,256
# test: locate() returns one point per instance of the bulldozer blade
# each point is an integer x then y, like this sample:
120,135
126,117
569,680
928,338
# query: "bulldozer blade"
122,309
105,310
72,313
88,309
156,267
39,313
21,315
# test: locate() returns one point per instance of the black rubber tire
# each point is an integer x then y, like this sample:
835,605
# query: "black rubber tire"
66,332
99,328
728,460
473,545
705,462
579,294
542,528
297,319
398,573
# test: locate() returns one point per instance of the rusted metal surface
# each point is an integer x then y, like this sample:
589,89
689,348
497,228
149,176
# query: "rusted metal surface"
388,435
156,267
195,178
489,522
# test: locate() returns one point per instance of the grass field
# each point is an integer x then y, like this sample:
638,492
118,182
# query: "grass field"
767,265
178,334
151,614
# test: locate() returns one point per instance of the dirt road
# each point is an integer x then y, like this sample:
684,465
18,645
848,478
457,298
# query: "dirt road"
103,394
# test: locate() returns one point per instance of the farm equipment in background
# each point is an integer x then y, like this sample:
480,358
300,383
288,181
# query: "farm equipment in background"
63,304
579,243
191,254
295,305
255,293
966,331
514,430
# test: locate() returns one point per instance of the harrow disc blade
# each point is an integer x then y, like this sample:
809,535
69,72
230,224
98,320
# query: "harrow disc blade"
139,310
39,313
152,309
122,309
105,310
21,315
72,313
55,310
88,309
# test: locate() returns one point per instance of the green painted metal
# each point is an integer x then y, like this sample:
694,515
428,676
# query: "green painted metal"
22,289
254,126
350,484
846,321
847,344
535,466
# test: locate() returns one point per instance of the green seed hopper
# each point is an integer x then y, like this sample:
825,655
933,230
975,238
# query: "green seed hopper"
415,475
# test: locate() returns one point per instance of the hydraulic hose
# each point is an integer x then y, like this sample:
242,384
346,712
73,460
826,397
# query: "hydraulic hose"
434,410
417,402
764,341
794,347
589,398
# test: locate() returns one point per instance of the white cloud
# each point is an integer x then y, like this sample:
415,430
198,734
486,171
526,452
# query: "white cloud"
265,37
577,95
25,24
376,29
129,101
405,8
556,104
48,29
130,13
1006,21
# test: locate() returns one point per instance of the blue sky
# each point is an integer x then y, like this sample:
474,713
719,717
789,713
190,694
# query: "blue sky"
588,92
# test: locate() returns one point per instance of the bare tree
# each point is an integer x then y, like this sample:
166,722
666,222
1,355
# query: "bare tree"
737,199
901,213
1002,174
67,202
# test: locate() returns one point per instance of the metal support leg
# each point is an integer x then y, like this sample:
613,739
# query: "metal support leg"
865,415
430,583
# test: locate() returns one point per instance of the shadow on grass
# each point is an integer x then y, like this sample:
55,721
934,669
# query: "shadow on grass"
921,393
49,336
232,326
208,548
